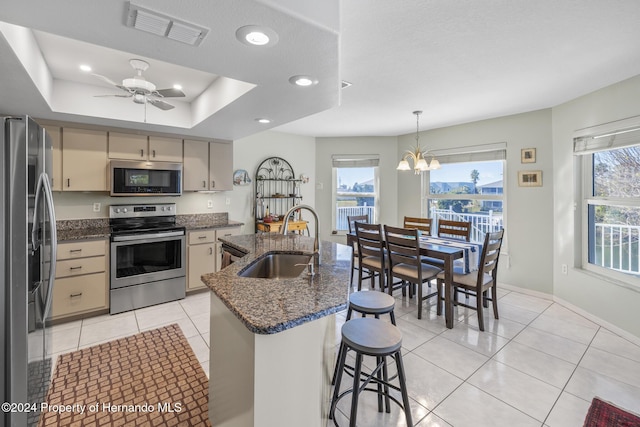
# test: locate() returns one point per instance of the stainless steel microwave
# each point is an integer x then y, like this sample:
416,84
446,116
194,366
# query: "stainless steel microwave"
134,178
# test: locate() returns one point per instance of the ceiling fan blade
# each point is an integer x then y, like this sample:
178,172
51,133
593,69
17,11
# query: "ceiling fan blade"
160,104
170,93
117,95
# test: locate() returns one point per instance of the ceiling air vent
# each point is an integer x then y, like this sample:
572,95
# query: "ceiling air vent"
165,26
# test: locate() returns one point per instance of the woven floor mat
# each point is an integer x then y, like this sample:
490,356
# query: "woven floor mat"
148,379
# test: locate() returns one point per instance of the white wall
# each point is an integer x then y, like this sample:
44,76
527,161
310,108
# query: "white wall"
600,296
527,260
383,146
249,152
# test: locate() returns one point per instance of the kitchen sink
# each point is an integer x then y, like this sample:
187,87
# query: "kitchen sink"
277,266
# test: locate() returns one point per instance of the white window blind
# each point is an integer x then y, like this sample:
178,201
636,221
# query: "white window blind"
618,134
475,153
355,160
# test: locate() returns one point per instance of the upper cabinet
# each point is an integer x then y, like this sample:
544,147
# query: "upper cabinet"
55,132
207,166
84,160
144,148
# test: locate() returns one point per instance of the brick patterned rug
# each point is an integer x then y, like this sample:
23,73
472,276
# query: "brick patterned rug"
605,414
148,379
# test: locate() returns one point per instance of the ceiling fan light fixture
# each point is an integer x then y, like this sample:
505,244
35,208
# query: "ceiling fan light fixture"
138,84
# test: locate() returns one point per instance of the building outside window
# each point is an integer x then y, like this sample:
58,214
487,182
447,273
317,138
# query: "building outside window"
468,187
355,189
609,164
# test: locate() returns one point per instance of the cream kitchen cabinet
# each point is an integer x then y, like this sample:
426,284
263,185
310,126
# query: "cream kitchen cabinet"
81,284
56,141
204,253
207,166
84,160
142,147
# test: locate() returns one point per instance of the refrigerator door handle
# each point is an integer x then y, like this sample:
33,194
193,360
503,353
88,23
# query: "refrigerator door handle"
36,206
54,242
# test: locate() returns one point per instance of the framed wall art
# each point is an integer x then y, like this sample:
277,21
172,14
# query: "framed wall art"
528,155
530,178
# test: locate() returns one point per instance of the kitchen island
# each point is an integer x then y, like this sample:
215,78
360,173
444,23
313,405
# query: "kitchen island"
272,345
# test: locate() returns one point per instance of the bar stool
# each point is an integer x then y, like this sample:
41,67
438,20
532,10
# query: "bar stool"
377,338
368,302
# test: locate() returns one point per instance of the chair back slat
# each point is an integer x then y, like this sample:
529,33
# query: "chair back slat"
356,218
422,224
403,246
370,240
490,254
455,229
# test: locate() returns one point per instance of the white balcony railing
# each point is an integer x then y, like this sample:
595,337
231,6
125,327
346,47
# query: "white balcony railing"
481,223
616,247
343,212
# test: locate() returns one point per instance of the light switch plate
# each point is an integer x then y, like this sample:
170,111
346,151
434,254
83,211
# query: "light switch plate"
210,204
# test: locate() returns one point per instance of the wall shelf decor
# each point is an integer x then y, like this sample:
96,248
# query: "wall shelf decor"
277,190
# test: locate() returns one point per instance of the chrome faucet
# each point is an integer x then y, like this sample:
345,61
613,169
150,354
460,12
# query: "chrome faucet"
316,242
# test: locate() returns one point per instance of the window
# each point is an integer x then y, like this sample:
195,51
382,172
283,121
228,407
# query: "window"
609,163
468,187
355,189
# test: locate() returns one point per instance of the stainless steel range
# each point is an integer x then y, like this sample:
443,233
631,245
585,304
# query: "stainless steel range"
148,256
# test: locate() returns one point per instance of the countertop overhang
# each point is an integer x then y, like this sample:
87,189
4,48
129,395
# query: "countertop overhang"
267,306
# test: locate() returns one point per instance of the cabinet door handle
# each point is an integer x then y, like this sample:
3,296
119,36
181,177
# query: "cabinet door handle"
202,237
210,251
154,153
79,294
68,182
75,250
141,152
213,184
204,184
75,268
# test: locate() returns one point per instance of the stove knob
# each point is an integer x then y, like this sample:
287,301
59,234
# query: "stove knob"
124,210
168,208
117,210
162,208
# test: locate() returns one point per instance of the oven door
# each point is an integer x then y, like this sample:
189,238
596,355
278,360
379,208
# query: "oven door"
147,257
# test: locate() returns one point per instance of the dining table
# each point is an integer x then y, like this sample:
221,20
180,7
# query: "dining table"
441,250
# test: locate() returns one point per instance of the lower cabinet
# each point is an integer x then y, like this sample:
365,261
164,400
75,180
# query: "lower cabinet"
204,253
82,282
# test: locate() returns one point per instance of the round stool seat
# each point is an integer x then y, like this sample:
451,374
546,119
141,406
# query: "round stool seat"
371,336
371,302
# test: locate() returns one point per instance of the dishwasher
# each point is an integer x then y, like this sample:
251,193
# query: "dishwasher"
230,255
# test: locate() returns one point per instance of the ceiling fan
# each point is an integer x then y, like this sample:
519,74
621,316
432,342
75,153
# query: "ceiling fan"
141,90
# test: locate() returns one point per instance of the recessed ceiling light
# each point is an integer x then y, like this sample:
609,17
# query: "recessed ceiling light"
303,81
255,35
85,68
177,86
263,120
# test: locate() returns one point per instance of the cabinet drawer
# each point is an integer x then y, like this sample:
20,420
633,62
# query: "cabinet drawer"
226,232
76,294
76,267
81,249
201,236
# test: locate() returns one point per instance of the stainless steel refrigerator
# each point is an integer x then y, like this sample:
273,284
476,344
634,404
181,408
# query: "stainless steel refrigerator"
27,265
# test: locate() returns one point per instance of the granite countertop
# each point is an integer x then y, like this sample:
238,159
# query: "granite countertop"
268,306
98,228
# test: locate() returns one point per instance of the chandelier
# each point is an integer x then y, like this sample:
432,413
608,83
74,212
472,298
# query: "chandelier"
417,155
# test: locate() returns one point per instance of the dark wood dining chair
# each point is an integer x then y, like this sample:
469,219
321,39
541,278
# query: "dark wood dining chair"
371,253
454,229
405,263
422,224
477,283
351,220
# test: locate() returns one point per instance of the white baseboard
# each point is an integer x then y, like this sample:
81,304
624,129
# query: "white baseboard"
611,327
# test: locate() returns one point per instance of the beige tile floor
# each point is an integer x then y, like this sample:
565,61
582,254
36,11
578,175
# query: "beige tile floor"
539,365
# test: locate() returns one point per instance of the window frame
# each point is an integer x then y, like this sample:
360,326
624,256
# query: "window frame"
477,154
348,162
